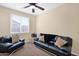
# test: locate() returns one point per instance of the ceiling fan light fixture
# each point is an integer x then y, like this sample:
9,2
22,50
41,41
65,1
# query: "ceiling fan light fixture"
33,10
33,7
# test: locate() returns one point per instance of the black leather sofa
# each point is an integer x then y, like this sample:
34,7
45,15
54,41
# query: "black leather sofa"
48,44
6,44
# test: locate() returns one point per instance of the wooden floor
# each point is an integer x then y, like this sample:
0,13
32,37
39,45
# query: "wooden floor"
29,49
4,54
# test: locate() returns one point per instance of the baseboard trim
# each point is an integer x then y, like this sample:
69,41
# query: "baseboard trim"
74,54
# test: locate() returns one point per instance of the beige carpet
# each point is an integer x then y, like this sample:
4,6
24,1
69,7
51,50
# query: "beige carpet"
29,49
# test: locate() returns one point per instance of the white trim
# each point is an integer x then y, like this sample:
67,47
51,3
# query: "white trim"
75,53
20,26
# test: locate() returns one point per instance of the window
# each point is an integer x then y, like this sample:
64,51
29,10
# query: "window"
19,24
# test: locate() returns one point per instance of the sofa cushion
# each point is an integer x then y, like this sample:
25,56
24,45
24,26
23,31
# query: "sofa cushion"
41,43
7,39
60,42
57,50
51,43
49,37
7,45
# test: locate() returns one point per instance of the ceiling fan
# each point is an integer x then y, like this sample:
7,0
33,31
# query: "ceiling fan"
35,5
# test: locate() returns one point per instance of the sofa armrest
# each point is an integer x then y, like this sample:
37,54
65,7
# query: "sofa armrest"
16,45
51,43
66,49
5,45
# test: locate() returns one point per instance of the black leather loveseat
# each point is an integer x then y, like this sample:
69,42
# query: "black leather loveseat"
48,44
6,44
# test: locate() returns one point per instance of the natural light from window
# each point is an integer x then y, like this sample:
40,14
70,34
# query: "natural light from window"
19,24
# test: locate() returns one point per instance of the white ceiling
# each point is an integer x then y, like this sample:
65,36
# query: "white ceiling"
20,7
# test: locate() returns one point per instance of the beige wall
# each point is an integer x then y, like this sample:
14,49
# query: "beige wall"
5,20
63,20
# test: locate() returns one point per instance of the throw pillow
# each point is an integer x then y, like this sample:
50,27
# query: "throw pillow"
15,38
41,38
60,42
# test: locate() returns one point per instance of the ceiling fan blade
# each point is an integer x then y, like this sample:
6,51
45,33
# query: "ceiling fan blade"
39,7
27,6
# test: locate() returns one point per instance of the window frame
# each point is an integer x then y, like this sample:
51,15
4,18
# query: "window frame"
20,25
